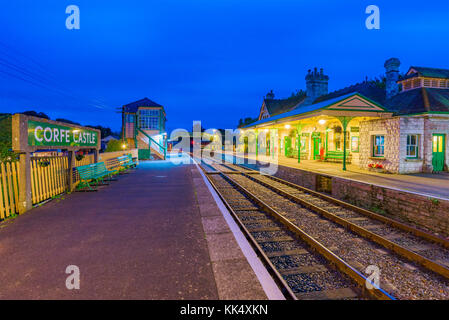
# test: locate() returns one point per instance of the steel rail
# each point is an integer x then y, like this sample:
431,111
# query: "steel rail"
285,289
398,249
396,224
338,262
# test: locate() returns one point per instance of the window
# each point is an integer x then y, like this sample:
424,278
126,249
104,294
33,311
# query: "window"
130,118
149,119
378,146
412,146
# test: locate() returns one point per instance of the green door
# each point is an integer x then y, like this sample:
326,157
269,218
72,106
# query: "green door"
438,152
287,145
316,148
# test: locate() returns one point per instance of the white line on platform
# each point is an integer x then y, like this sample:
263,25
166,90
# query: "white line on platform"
269,286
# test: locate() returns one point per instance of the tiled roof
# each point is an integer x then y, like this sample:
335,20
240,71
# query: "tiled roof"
304,109
419,101
145,102
368,88
277,106
428,72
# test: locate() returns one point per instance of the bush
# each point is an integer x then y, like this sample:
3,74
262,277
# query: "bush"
6,153
114,145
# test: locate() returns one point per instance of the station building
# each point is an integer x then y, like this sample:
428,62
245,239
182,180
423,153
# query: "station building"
143,127
400,125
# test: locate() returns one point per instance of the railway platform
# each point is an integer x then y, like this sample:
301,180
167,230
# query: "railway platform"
156,233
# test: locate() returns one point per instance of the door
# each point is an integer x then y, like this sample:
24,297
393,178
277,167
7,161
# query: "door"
316,148
438,151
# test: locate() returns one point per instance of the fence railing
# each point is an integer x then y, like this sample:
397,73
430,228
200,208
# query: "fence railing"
48,177
9,189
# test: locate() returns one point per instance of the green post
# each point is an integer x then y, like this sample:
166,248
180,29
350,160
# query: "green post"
299,129
257,143
344,122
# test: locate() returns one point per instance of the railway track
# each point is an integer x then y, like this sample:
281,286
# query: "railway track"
412,264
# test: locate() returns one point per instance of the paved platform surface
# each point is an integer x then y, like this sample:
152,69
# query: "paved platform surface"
141,237
436,185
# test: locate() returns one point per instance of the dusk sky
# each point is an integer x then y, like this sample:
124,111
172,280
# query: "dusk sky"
202,60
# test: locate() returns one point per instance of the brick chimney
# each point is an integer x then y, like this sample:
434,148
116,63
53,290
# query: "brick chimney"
316,85
270,95
392,76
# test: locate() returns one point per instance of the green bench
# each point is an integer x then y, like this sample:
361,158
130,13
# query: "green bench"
94,172
337,156
130,161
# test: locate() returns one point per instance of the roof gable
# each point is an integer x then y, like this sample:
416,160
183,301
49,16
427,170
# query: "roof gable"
356,103
352,102
428,72
134,106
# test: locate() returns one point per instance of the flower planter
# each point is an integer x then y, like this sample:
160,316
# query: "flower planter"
378,170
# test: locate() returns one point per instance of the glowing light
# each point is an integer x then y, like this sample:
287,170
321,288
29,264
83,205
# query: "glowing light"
287,126
322,121
123,146
266,130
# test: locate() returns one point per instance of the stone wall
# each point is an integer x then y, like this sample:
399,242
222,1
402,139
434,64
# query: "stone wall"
390,128
411,125
422,211
396,130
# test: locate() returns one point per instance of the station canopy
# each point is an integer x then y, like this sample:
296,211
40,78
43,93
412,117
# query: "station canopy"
350,105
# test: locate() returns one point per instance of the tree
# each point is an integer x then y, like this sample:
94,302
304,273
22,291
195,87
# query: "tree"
114,145
36,114
67,121
6,153
105,131
246,121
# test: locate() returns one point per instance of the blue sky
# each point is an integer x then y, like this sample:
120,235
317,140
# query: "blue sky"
203,60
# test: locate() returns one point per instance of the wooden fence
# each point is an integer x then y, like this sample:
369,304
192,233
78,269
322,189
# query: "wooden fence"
9,185
48,179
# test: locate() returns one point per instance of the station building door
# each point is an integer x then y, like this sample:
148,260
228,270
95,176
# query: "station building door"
438,150
316,143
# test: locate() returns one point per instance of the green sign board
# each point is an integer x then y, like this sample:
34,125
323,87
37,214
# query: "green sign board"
52,135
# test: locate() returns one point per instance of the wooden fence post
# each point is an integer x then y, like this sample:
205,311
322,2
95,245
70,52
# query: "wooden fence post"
25,199
71,165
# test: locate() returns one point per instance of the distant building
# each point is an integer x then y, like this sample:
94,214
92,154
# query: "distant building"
105,141
143,127
399,124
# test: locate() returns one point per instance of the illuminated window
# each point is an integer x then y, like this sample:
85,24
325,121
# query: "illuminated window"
412,146
149,119
378,146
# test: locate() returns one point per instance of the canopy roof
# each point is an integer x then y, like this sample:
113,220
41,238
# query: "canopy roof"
352,104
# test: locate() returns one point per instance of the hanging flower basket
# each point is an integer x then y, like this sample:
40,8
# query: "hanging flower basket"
43,163
79,157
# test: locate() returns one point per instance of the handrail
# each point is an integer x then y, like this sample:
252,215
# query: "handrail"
164,149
